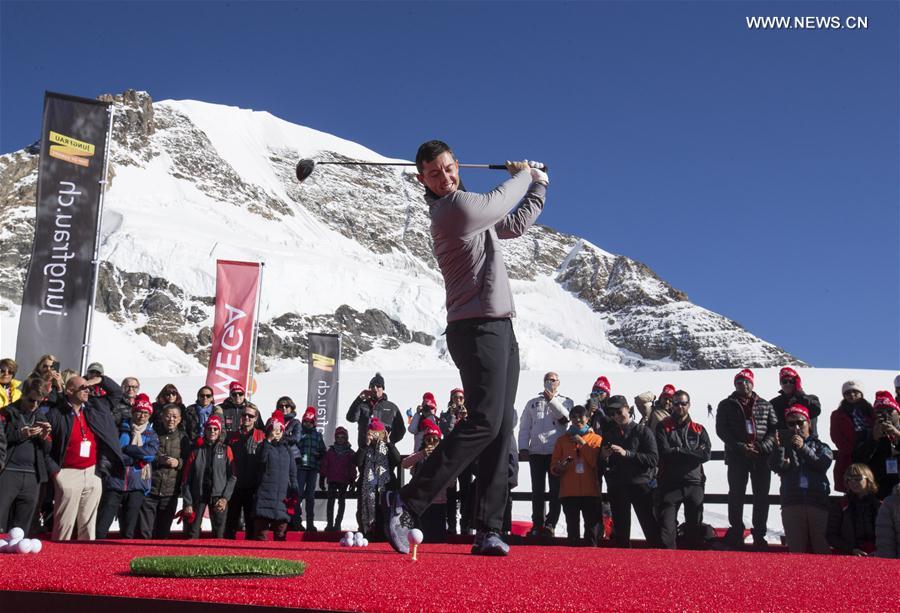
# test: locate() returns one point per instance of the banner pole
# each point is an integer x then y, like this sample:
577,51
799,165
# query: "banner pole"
262,267
89,324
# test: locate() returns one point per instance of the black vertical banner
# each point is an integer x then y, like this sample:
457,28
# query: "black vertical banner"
324,377
59,283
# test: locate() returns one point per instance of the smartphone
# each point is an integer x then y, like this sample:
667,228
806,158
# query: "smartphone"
55,366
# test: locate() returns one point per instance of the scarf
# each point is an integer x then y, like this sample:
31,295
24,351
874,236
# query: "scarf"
137,433
376,475
341,448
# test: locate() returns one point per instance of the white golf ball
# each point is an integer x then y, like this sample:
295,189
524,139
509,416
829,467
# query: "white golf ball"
365,542
415,536
348,536
13,543
36,545
24,546
358,539
16,534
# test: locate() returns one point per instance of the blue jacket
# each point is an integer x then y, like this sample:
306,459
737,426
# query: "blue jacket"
135,456
804,472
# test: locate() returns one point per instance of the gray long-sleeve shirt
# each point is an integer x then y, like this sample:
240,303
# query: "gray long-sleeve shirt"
466,228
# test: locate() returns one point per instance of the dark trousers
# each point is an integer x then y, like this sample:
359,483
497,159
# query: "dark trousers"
465,494
588,508
241,503
487,355
156,516
306,482
667,503
217,518
760,478
127,505
434,523
539,465
18,500
336,491
621,498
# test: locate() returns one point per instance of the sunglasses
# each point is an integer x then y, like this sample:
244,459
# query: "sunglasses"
214,428
237,393
856,478
458,397
852,392
130,387
787,381
248,416
680,403
7,371
285,405
552,380
204,395
83,388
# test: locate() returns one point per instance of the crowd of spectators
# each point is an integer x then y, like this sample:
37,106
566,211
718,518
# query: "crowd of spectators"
78,452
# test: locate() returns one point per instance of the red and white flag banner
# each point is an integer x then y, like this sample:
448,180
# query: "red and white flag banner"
237,290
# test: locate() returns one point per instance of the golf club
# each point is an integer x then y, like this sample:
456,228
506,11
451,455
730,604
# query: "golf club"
306,167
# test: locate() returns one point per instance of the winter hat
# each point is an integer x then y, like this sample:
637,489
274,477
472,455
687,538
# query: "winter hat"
461,392
340,430
236,386
429,428
668,391
851,385
429,401
602,383
214,420
277,418
142,403
797,409
375,424
377,381
789,373
745,374
883,400
310,414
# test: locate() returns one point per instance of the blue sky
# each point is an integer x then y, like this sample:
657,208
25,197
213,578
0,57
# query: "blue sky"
755,170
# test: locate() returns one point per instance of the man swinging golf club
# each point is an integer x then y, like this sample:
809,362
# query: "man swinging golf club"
466,229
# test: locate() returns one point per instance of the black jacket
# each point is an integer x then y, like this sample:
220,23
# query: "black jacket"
804,472
361,411
876,453
223,477
683,448
99,415
11,437
245,448
731,427
640,459
277,480
231,415
781,402
851,522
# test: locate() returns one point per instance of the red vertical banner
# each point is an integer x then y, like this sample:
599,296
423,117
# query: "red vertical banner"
237,290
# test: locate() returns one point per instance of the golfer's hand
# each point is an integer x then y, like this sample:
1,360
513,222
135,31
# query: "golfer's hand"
539,176
515,168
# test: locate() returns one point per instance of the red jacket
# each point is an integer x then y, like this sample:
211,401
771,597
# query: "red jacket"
844,436
338,467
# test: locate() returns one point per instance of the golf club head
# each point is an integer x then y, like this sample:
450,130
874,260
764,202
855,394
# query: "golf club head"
304,169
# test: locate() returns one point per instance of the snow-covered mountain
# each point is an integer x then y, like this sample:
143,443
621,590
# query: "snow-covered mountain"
348,251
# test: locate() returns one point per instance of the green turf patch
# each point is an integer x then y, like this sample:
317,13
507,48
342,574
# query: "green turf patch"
215,566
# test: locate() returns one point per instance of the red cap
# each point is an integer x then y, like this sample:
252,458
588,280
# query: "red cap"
668,391
142,403
214,420
340,430
797,409
789,373
428,400
428,427
602,383
885,399
375,424
236,386
744,374
310,414
276,418
457,390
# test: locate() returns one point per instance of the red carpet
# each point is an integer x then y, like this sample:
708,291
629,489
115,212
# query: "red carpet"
446,578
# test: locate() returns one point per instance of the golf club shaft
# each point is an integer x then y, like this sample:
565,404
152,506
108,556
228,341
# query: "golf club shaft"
489,166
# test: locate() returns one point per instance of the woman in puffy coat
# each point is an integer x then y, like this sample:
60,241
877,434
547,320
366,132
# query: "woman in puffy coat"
851,521
276,493
851,424
123,494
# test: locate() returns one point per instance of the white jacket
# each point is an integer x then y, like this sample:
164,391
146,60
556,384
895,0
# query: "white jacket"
540,427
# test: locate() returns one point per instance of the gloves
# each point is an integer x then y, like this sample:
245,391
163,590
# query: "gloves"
539,176
515,168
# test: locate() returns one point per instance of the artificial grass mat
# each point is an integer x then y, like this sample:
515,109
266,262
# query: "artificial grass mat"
215,566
